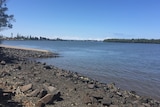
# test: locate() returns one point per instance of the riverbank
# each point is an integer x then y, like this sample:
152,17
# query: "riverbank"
29,83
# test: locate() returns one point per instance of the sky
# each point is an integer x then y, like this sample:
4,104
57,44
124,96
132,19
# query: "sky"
85,19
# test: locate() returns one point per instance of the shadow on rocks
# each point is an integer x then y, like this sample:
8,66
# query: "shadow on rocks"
6,100
6,58
57,97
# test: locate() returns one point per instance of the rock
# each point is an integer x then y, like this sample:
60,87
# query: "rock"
47,67
4,73
107,102
118,93
26,87
126,94
46,99
18,67
33,93
112,87
51,89
18,91
39,104
45,87
113,106
97,96
91,86
42,93
3,63
20,83
132,92
144,100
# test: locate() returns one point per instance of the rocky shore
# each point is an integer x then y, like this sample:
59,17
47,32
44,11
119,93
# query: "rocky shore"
27,83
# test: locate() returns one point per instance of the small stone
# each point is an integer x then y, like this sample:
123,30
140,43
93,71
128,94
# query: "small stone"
4,73
113,106
106,102
112,87
118,93
18,67
91,86
132,92
146,105
3,63
18,91
20,83
144,100
47,67
26,87
97,96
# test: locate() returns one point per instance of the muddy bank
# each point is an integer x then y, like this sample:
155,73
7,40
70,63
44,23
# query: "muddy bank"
33,84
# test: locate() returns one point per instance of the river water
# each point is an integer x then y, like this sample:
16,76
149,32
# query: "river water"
132,66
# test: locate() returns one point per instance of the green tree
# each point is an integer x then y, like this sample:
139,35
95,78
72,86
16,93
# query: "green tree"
5,19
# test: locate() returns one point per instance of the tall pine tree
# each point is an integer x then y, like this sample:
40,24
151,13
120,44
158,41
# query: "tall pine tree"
5,19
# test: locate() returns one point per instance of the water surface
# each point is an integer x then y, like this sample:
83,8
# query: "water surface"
131,66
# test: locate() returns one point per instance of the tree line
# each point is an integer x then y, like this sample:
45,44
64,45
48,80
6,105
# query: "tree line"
20,37
156,41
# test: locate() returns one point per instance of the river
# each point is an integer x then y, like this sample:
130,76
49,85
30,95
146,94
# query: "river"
132,66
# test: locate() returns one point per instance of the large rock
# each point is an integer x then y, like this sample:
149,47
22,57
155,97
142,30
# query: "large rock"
49,98
26,87
33,93
50,89
46,99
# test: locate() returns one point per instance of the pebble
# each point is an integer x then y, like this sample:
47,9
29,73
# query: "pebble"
3,63
91,86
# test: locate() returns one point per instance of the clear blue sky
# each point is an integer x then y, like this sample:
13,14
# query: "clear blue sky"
85,19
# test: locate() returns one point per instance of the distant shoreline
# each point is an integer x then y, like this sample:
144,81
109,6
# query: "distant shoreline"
151,41
119,40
